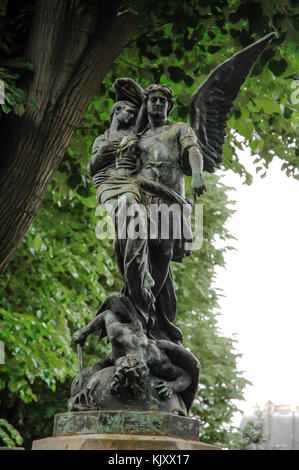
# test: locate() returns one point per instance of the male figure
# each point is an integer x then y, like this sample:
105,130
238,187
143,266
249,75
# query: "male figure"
167,150
133,353
173,144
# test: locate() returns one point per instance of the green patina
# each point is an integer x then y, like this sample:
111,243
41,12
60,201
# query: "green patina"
131,423
125,422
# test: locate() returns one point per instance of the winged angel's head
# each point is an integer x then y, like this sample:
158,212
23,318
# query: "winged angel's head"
158,101
160,90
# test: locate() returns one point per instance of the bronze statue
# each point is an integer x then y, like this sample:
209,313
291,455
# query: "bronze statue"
140,162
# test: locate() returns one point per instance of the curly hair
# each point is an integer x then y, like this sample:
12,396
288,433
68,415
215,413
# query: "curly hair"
163,89
129,376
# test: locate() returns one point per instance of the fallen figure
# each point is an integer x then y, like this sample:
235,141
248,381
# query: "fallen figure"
137,366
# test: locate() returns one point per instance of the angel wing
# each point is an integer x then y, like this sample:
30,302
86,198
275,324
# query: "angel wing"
212,101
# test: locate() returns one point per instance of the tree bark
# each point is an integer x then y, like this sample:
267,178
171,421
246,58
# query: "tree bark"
72,46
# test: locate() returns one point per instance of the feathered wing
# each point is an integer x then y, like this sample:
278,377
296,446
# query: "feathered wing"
212,101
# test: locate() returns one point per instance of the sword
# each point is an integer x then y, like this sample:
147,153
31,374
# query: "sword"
79,354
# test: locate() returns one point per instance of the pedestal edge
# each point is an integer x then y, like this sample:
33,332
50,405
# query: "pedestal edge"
127,422
114,442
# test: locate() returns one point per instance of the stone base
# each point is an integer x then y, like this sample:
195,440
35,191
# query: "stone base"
123,430
12,448
152,423
118,442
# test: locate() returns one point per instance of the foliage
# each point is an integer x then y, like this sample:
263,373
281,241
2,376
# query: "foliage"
9,435
252,436
255,435
12,66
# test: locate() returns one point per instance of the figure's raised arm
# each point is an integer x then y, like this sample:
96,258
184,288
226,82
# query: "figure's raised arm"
127,89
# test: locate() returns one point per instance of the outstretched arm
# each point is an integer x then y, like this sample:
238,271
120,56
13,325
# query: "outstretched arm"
95,326
191,160
198,184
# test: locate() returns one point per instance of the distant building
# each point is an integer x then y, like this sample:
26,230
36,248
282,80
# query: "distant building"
281,425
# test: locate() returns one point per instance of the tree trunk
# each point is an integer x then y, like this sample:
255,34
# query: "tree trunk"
72,46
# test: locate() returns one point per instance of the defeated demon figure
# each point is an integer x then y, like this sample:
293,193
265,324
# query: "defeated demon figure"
137,359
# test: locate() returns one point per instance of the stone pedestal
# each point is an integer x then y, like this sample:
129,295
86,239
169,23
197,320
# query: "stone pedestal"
12,448
123,430
119,442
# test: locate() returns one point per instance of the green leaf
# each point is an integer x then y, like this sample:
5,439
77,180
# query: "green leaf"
278,67
270,106
6,109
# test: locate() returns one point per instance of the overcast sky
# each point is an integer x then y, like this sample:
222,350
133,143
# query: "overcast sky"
261,284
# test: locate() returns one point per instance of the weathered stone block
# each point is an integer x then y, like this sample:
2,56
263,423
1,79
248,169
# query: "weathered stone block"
126,422
118,442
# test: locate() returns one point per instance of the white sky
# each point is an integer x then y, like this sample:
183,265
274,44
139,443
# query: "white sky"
261,285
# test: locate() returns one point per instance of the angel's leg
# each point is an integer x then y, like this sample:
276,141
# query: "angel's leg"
160,256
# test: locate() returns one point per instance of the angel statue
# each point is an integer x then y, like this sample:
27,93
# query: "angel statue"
139,165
